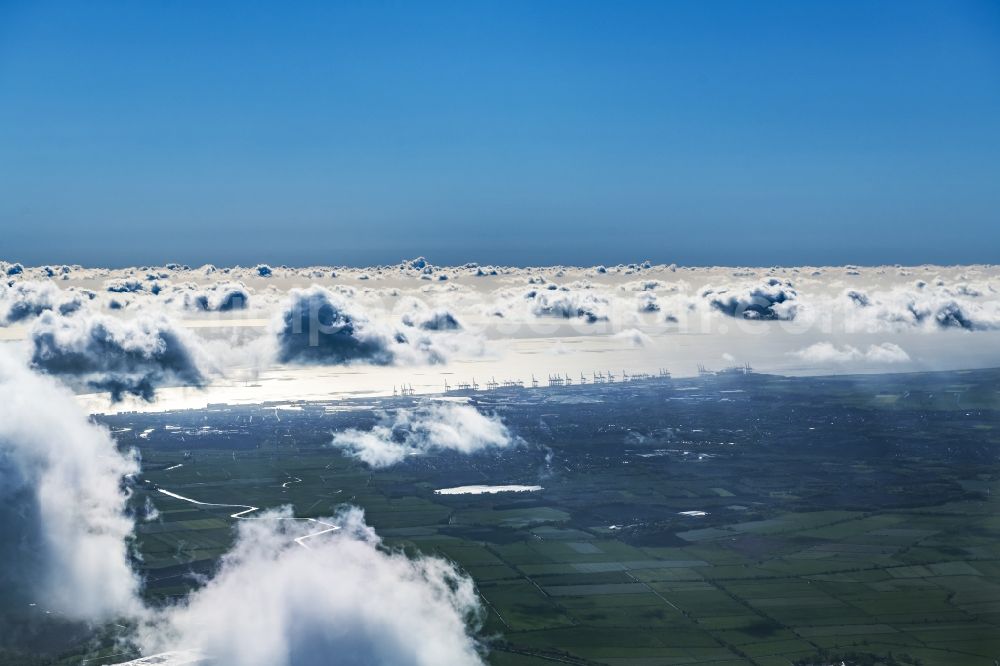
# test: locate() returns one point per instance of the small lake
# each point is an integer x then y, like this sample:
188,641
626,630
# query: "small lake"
483,490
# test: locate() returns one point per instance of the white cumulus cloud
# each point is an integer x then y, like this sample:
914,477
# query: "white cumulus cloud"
104,353
340,597
62,509
434,426
828,353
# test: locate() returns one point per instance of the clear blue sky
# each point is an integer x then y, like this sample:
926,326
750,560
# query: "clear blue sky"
701,132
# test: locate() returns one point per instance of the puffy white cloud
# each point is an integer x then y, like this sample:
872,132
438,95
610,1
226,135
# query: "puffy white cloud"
124,285
282,598
62,507
574,303
568,304
828,353
433,320
648,303
23,300
122,357
927,308
426,428
887,352
774,299
222,297
634,337
318,326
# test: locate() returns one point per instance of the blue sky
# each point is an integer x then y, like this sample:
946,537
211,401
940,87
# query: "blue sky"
538,132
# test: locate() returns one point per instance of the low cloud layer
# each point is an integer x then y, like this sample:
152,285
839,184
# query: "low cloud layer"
394,315
103,353
828,353
62,517
427,428
282,598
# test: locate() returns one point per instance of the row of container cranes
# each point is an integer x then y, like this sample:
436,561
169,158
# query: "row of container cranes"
596,377
558,379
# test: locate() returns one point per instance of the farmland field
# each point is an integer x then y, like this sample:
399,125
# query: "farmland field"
720,520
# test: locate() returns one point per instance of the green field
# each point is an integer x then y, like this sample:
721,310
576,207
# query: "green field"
838,526
918,582
782,568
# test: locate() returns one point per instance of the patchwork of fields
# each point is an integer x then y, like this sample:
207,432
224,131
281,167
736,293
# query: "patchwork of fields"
832,524
923,582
